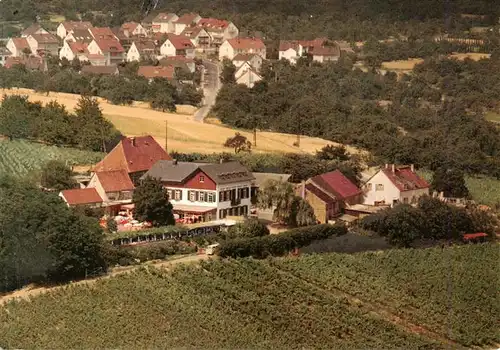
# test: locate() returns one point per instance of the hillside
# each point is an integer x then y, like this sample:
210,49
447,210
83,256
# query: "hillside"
395,299
184,133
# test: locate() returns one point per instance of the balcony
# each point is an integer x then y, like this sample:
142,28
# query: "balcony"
235,201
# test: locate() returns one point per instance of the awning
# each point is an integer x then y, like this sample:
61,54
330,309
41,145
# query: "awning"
127,206
192,208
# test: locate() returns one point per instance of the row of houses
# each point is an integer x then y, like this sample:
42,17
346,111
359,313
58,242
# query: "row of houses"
202,192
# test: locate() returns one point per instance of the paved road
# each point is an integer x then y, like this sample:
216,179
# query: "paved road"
211,86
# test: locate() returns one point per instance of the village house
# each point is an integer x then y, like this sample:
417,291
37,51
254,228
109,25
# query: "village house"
203,191
114,187
18,47
43,44
30,63
35,28
67,27
151,72
291,50
179,62
111,49
177,45
81,197
395,184
102,33
325,53
142,50
186,20
80,35
4,54
222,29
247,75
164,23
133,29
253,60
320,49
198,36
329,194
135,155
100,70
232,47
77,49
147,22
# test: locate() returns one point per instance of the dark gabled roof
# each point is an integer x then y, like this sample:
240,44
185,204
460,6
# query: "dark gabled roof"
171,171
100,70
32,29
324,197
405,179
224,173
82,35
335,183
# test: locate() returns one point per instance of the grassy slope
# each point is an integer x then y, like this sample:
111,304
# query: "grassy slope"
20,157
369,300
484,190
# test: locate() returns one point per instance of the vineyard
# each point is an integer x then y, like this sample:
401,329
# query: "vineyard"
405,299
21,157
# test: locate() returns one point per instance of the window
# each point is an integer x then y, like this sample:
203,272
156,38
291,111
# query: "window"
201,196
178,195
405,200
202,178
379,187
221,196
210,197
413,200
369,186
192,196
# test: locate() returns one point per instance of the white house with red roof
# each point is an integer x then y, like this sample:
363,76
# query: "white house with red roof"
247,75
329,194
252,59
133,29
164,23
142,49
395,184
113,186
111,49
177,45
232,47
81,197
204,191
17,46
219,29
67,27
184,21
73,49
198,36
43,44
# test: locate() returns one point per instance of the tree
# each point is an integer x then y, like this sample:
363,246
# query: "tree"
403,225
152,203
55,125
18,116
332,152
451,182
302,213
228,70
239,143
248,228
56,175
163,101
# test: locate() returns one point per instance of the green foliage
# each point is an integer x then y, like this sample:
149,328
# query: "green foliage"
246,229
451,182
56,175
239,143
17,117
331,152
159,250
163,102
151,203
44,239
22,157
228,71
279,244
111,225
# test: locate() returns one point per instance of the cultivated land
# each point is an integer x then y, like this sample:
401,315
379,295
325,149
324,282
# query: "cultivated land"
20,157
184,134
408,65
432,298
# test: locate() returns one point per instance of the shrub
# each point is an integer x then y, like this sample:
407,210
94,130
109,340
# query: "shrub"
248,228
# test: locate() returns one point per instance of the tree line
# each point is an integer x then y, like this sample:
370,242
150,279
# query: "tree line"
423,118
86,128
123,89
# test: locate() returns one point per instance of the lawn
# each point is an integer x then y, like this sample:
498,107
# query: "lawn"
21,157
399,299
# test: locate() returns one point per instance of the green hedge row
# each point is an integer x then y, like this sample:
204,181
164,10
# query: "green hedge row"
280,244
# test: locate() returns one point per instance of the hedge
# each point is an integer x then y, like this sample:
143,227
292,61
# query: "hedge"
280,244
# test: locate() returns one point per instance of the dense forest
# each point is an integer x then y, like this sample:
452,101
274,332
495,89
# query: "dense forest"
352,20
431,118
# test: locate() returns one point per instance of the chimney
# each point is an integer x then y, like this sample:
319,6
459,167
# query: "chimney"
412,167
386,166
132,140
393,168
174,161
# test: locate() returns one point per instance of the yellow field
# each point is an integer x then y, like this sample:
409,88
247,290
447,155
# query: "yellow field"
408,65
184,134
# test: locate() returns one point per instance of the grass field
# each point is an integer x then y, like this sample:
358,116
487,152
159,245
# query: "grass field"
493,117
404,299
21,157
408,65
184,134
484,190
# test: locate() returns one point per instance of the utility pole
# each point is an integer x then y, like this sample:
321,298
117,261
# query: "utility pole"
166,136
254,131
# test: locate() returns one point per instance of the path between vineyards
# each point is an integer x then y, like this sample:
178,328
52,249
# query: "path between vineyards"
33,290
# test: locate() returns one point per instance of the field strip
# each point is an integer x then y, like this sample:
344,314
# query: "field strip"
377,310
27,293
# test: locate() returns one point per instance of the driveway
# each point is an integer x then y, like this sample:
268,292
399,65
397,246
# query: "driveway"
211,86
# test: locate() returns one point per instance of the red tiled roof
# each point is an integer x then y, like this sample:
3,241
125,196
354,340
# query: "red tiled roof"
247,43
180,42
474,235
325,51
103,33
45,38
115,181
244,57
289,44
337,184
82,35
133,154
192,32
100,70
72,25
294,44
28,62
145,45
213,23
164,17
405,179
81,196
78,47
109,45
130,26
151,72
319,193
20,43
187,18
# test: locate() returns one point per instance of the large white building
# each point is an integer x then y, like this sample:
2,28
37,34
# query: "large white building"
205,191
395,184
232,47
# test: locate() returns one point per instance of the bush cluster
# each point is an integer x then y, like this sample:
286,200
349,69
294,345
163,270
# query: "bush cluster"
280,244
